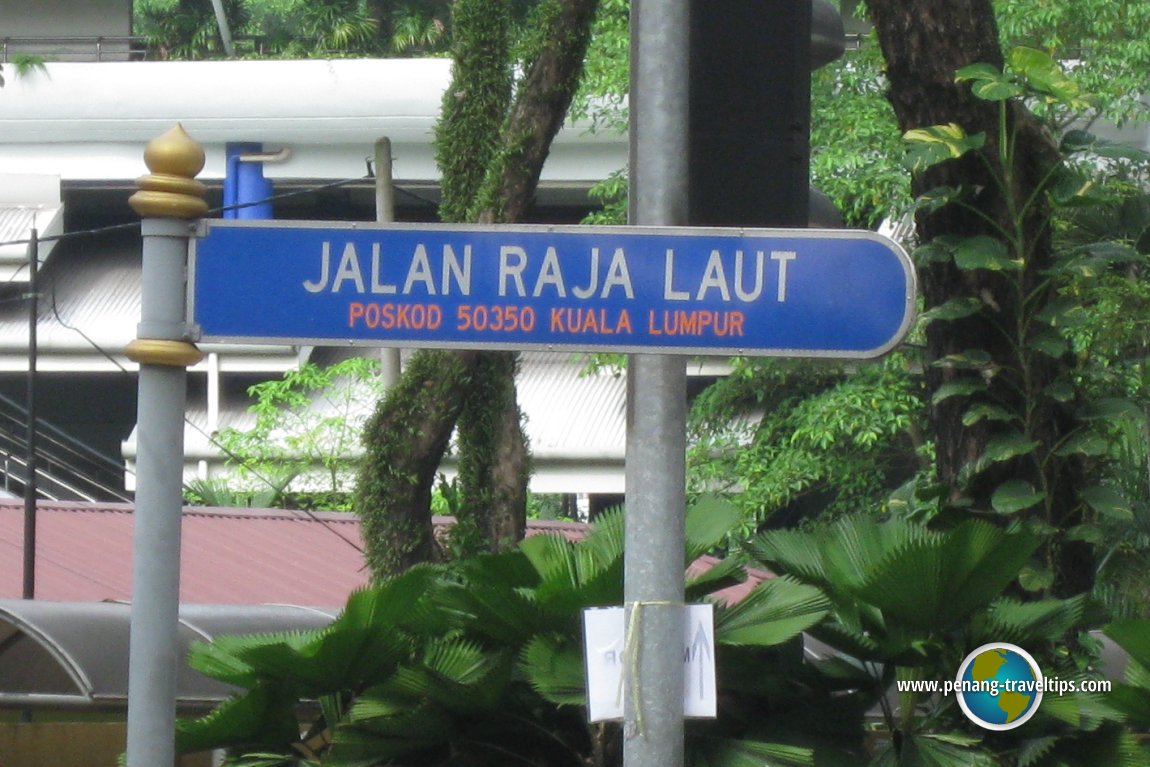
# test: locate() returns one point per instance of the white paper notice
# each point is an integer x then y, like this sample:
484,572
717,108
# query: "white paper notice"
604,633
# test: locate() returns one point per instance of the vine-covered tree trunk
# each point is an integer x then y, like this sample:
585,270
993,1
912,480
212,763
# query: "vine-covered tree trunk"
405,439
493,448
491,149
924,43
493,458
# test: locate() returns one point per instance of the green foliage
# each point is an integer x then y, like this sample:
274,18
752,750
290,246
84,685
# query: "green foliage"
602,95
1133,697
601,101
340,27
416,27
24,64
1013,397
216,491
307,428
552,506
186,29
482,661
790,440
909,603
1107,40
854,140
611,196
855,153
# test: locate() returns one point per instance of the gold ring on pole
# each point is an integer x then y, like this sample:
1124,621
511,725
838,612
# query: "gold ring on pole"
157,351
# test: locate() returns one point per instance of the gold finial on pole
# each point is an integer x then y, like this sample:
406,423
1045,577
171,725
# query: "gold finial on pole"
170,190
168,196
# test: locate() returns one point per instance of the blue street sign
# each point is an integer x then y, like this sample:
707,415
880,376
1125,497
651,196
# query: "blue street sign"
775,292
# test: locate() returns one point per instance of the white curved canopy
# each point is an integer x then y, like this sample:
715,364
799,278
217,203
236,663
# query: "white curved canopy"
75,654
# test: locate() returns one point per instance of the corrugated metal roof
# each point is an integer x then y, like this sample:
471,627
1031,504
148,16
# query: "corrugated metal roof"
575,421
91,294
571,410
27,201
16,225
15,222
90,307
229,556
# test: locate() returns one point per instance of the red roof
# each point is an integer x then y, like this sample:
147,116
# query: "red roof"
229,556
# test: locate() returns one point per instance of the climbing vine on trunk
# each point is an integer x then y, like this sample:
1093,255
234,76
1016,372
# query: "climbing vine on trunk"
494,134
989,345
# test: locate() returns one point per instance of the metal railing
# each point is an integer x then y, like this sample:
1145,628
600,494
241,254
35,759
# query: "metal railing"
66,469
100,48
104,48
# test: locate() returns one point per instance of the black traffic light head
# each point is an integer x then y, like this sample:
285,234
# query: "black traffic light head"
749,95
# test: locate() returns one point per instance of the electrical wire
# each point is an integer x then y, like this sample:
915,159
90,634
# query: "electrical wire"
211,439
135,225
224,208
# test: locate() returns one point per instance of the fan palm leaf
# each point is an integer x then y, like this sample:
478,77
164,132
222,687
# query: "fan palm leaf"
1030,623
730,752
1133,697
264,717
553,666
936,750
895,583
936,580
776,611
492,596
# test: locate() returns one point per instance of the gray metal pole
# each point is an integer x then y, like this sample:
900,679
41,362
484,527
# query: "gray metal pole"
385,214
168,199
225,28
30,467
657,405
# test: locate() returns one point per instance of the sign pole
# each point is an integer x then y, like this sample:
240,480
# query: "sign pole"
389,361
169,198
657,407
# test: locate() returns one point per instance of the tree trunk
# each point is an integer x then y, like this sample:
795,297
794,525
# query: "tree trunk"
380,12
562,33
405,440
493,458
489,182
924,43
